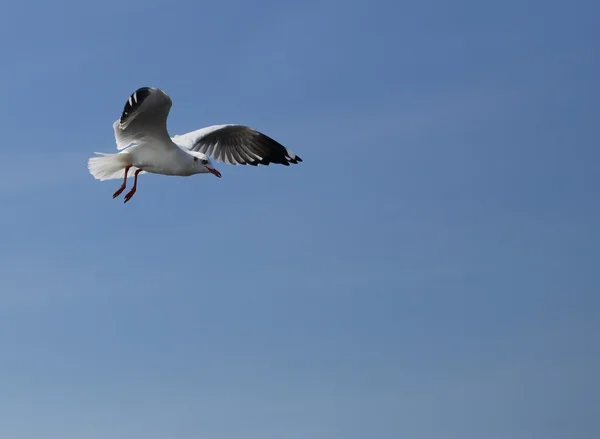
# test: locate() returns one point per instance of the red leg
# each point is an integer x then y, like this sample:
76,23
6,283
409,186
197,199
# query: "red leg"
124,185
129,194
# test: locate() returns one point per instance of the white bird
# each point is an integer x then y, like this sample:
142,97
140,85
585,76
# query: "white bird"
146,147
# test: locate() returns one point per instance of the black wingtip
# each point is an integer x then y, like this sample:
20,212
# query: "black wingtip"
277,153
133,103
242,145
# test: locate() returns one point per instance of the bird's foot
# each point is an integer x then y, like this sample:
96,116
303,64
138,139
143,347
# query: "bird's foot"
118,191
128,195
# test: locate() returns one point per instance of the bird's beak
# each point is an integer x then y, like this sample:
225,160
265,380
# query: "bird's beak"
213,171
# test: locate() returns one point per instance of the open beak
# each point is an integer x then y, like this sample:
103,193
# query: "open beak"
213,171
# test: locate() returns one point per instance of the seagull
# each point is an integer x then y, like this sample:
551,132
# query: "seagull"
145,146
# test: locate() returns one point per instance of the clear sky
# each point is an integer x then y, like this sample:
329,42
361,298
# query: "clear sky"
429,271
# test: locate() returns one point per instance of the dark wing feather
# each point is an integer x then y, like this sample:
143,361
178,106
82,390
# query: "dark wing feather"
239,145
144,116
134,102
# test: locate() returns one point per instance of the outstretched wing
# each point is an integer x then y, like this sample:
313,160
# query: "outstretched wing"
144,116
236,145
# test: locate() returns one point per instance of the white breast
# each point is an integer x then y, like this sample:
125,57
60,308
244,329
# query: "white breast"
159,159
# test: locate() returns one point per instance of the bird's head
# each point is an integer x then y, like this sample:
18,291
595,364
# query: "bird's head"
202,164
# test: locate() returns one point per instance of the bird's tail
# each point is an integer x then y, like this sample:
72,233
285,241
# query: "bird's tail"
109,166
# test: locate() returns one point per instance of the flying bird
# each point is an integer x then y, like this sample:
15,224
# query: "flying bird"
145,146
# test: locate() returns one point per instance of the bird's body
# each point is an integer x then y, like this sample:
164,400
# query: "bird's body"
146,147
156,159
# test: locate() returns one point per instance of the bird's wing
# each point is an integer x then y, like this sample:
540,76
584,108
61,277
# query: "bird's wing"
236,145
144,117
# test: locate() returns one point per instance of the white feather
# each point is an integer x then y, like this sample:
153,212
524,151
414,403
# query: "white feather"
111,166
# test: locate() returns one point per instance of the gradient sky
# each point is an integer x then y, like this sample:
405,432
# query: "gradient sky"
429,271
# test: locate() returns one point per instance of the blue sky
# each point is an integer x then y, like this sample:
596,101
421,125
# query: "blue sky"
426,272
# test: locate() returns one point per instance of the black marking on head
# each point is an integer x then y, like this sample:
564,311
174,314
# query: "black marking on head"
135,100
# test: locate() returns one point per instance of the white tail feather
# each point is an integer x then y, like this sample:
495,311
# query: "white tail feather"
110,166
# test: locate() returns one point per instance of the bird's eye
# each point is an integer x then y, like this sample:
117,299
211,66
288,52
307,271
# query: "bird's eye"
204,162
